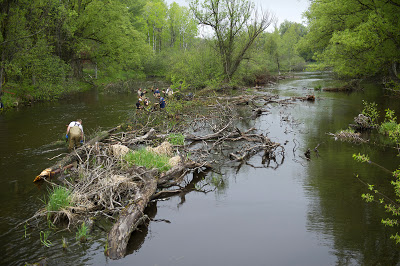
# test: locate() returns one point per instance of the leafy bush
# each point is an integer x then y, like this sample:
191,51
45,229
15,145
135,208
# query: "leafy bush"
370,110
390,127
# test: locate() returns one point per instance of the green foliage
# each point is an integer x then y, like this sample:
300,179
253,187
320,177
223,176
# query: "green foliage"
368,197
148,159
390,127
370,110
361,158
318,87
26,230
396,238
235,25
354,38
176,139
82,233
44,239
59,198
64,243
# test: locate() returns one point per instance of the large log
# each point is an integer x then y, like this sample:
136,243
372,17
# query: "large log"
130,218
73,156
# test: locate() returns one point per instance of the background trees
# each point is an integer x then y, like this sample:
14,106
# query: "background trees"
48,48
356,38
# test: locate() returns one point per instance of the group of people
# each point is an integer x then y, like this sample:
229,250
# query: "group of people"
74,134
143,102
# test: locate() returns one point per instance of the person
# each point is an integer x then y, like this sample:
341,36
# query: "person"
138,105
74,134
139,92
169,92
156,93
146,102
161,102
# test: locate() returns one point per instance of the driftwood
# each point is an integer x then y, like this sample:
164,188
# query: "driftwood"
132,215
130,218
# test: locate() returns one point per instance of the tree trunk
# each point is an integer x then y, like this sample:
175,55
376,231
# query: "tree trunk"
130,219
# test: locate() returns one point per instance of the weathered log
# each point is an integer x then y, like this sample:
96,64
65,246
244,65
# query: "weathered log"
73,156
130,218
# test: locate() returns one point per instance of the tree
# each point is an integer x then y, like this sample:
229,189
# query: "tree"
236,25
182,26
155,13
356,38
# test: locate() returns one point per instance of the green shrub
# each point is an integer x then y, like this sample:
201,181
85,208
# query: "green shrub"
390,127
148,159
370,110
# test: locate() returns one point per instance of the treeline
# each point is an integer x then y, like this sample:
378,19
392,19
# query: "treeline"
355,38
49,48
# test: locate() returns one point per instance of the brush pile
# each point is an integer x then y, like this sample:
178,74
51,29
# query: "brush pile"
103,182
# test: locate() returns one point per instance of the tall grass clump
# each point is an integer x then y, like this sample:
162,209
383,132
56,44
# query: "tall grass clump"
176,139
148,159
59,198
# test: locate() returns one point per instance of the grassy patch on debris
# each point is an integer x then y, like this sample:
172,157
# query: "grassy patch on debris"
148,159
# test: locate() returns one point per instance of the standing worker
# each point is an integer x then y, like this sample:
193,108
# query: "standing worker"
74,134
161,102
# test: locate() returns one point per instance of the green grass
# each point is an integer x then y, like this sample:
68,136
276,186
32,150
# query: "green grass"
44,239
82,233
59,198
176,139
148,159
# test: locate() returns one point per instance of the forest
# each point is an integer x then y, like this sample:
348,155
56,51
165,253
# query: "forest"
51,48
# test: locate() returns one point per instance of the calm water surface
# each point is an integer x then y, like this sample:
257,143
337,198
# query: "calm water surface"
297,212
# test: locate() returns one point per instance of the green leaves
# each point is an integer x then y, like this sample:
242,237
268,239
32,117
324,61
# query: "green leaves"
353,37
362,158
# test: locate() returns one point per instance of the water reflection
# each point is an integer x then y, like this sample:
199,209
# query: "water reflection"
336,212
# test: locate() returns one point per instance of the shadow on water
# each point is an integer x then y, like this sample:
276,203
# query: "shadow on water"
268,211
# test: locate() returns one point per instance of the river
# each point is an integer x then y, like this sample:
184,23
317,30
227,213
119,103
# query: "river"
297,212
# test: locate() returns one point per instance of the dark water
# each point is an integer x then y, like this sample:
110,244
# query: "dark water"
296,213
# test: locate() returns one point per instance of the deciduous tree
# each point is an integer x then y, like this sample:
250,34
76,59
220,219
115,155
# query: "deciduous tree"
236,24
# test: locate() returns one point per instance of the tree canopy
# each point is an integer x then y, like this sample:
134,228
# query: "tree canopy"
48,48
356,38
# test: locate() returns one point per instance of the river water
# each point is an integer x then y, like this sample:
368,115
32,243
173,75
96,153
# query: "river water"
293,212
